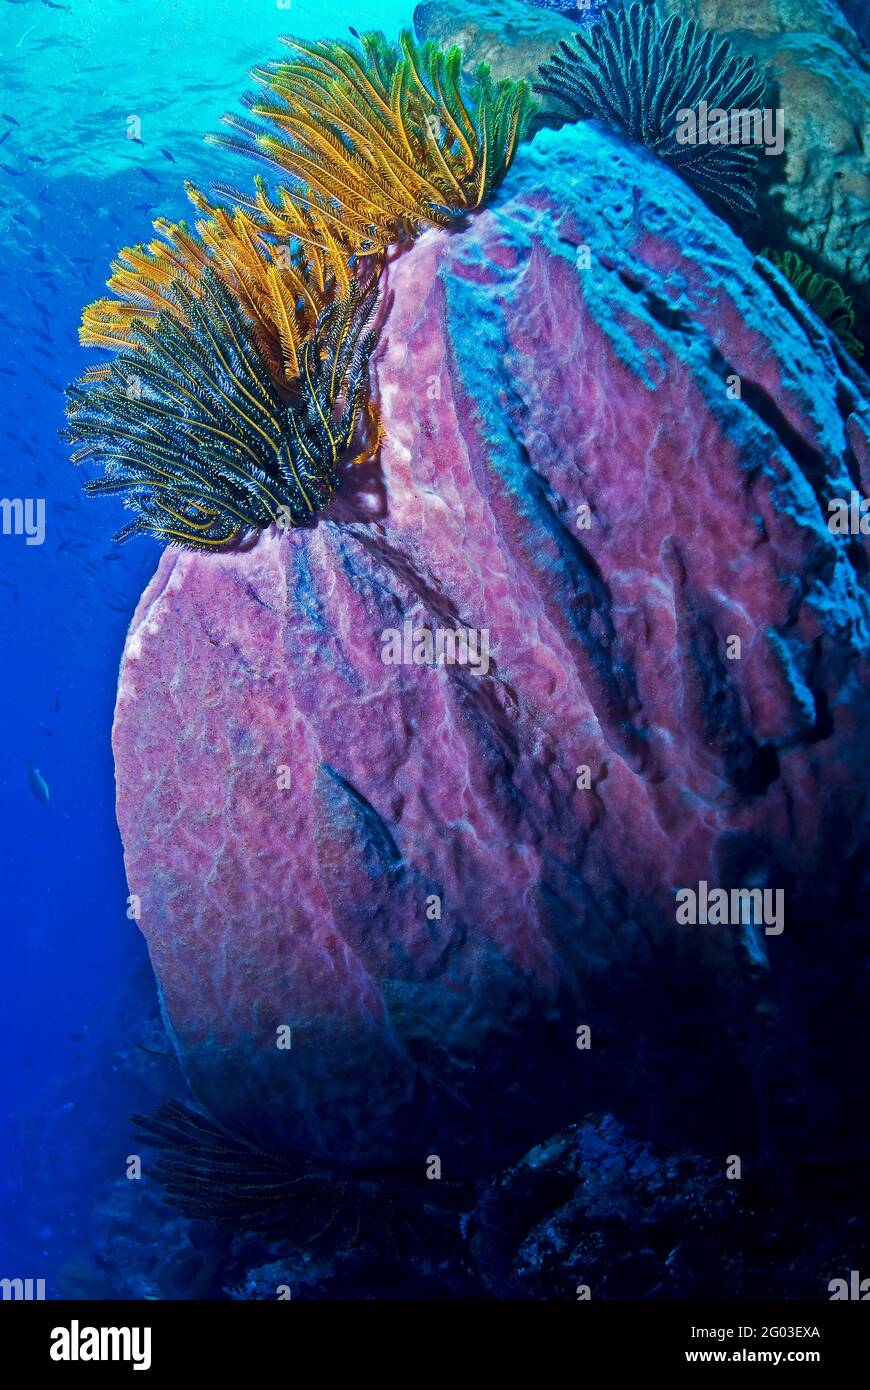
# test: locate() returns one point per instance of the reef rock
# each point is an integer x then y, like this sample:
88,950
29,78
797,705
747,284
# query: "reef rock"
816,195
593,1209
381,899
813,197
513,36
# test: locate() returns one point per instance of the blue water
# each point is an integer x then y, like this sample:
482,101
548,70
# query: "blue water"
76,997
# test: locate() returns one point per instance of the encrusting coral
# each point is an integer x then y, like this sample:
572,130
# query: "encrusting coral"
636,71
241,376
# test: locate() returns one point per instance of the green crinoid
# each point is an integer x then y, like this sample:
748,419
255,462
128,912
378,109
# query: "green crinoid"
824,296
382,139
191,428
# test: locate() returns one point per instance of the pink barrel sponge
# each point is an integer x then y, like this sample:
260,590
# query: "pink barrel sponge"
409,798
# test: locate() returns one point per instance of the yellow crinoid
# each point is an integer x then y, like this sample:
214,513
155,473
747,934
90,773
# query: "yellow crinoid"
282,264
240,384
382,139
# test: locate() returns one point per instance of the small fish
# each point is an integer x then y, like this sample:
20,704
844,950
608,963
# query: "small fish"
167,154
4,136
24,35
78,1037
147,174
45,729
38,785
10,119
355,32
57,704
7,169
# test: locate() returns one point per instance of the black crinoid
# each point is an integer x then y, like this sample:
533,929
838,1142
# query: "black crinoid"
190,426
210,1174
637,71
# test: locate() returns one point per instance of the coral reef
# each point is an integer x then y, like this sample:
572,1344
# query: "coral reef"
513,37
595,1207
610,448
817,194
592,1207
814,197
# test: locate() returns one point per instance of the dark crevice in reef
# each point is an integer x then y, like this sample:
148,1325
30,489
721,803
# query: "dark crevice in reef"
252,592
487,704
760,772
750,767
608,681
810,461
853,409
669,315
818,334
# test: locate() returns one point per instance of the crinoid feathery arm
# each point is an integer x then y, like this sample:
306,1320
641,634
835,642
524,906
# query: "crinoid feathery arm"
242,343
639,71
191,428
382,140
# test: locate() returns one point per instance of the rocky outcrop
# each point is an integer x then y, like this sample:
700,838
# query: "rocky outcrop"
594,1213
514,37
817,200
381,899
814,197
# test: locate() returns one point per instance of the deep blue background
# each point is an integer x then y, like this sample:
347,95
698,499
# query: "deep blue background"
75,992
